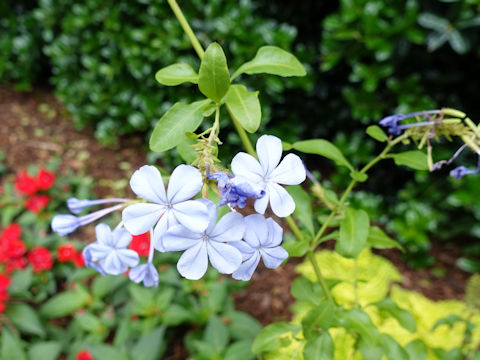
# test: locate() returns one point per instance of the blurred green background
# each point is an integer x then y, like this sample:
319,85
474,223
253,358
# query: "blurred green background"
365,60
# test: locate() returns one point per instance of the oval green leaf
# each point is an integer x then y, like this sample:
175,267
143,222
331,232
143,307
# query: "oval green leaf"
324,148
320,348
176,74
414,159
244,106
377,133
214,78
170,129
377,239
272,60
353,233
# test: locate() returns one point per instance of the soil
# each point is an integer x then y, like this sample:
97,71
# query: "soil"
34,127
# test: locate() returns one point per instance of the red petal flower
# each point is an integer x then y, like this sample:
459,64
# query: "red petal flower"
25,184
45,179
14,264
79,260
4,282
40,258
15,249
11,232
141,243
84,355
37,203
66,252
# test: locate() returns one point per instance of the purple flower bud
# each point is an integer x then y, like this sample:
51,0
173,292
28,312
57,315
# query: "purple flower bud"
461,171
235,190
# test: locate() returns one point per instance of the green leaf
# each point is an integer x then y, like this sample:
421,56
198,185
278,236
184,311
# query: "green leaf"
403,317
354,228
21,281
244,106
303,208
319,348
392,348
102,351
104,285
296,248
417,350
214,78
377,239
217,296
450,320
150,346
270,337
358,176
49,350
240,350
180,118
272,60
357,320
142,297
434,22
243,326
25,319
468,265
64,304
88,322
303,289
320,317
10,346
377,133
324,148
176,74
414,159
216,333
176,314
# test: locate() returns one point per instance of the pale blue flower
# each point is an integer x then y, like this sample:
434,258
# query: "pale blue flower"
235,190
76,206
391,121
269,172
211,244
262,240
110,251
65,224
166,208
146,273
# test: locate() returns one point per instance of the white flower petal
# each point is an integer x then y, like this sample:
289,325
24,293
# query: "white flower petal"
128,258
179,238
245,249
246,269
147,183
290,171
256,231
164,224
275,234
185,182
225,258
274,256
104,234
194,262
112,264
212,214
230,227
98,251
140,218
192,214
281,202
269,152
262,203
121,238
246,165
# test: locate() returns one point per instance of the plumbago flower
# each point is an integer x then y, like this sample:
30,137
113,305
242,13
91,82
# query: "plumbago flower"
214,244
165,208
109,254
262,239
235,190
269,172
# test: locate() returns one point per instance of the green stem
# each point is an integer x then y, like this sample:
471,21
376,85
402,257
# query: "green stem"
318,273
350,187
186,28
243,136
296,231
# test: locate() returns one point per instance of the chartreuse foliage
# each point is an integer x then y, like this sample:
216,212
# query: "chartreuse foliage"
391,323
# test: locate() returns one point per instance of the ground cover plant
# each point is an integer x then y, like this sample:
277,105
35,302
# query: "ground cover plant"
345,307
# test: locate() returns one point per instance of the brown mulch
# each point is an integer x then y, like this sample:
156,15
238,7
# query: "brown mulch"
34,127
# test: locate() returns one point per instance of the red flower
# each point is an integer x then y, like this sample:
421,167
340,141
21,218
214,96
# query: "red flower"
2,308
11,232
40,258
141,244
66,252
79,260
15,249
45,179
4,296
25,184
18,263
4,282
37,203
84,355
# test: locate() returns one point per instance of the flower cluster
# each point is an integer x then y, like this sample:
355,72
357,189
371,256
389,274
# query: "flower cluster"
68,253
171,219
433,123
28,185
4,295
12,248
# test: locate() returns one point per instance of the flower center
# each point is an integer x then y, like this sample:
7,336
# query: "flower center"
205,237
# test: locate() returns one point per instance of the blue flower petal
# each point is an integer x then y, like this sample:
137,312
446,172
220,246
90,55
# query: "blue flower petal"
269,152
180,238
262,203
185,182
225,258
256,230
275,234
65,224
281,202
274,256
146,273
164,224
194,262
147,183
290,171
192,214
230,227
246,165
245,249
140,218
246,269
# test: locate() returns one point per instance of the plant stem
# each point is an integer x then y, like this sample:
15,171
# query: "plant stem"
186,28
318,273
243,136
296,231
